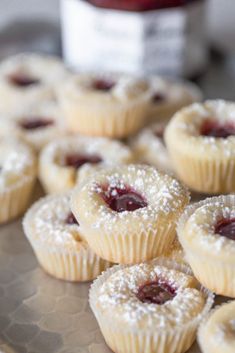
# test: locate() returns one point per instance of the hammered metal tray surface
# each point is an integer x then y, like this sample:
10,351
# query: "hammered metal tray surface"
39,314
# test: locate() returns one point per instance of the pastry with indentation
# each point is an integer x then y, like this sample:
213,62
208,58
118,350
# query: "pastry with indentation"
128,213
105,105
153,307
54,234
201,142
26,79
206,231
36,126
168,96
71,160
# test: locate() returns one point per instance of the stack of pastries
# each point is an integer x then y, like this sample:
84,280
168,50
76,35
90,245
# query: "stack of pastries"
117,156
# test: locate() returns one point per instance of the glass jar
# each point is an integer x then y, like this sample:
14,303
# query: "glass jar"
137,36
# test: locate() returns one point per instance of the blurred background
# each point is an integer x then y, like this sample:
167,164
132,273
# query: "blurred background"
35,25
220,15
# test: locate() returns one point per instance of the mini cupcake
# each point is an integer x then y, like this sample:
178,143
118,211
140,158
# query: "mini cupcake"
54,234
17,178
36,126
149,148
110,106
128,213
216,333
206,231
169,96
201,143
66,162
153,307
25,79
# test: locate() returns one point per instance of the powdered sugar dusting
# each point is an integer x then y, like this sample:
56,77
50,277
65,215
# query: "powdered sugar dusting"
126,87
48,218
164,196
38,137
16,161
186,125
111,152
201,224
118,296
197,225
47,69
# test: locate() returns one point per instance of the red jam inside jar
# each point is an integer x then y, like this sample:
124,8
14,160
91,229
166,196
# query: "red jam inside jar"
226,228
77,160
103,85
22,80
156,292
33,123
139,5
213,128
71,219
123,199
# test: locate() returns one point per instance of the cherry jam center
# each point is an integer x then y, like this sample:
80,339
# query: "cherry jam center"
76,160
71,219
22,80
216,129
103,85
123,199
33,123
156,292
158,98
226,228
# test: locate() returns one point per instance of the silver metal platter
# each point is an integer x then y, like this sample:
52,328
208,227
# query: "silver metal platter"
39,314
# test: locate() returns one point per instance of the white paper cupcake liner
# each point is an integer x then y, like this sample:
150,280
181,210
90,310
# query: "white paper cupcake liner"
70,266
122,340
132,248
114,122
210,176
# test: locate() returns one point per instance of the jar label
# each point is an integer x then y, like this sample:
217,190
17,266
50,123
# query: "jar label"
166,41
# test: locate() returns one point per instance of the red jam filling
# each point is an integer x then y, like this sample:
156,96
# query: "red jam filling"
226,228
22,80
77,160
33,123
156,292
123,199
103,85
71,219
158,98
216,129
139,5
